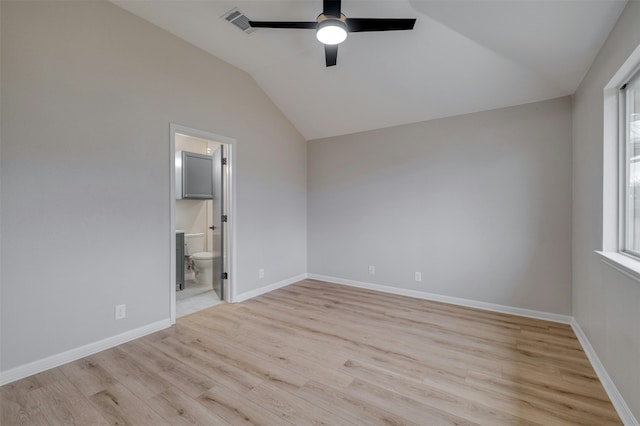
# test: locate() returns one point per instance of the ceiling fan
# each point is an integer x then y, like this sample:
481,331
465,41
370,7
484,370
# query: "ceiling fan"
332,27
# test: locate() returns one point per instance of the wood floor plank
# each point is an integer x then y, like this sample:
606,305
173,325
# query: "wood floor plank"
62,403
170,369
242,359
403,406
134,375
121,407
14,414
350,407
17,407
362,323
316,353
380,343
279,353
179,409
293,408
509,402
88,375
569,407
239,410
470,410
202,361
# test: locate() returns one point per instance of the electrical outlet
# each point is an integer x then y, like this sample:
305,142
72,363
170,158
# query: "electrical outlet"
121,311
418,276
261,273
372,270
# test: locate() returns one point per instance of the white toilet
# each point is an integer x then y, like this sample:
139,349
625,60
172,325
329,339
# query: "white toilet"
202,260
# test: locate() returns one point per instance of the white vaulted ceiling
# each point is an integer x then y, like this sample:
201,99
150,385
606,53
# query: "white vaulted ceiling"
462,56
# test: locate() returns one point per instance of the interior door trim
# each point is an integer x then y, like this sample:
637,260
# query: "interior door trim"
230,264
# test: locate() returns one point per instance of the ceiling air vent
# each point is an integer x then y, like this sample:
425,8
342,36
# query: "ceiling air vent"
239,19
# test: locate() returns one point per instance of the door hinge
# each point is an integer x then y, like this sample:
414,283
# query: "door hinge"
225,276
224,161
224,218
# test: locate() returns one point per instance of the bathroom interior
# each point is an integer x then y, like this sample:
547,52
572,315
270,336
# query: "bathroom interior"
199,236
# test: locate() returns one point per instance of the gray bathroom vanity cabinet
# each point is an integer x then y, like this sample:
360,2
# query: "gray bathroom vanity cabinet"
194,176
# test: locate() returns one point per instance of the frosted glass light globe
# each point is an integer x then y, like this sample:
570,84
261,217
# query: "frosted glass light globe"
331,31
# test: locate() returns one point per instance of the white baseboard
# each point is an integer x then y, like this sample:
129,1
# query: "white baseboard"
548,316
266,289
40,365
618,402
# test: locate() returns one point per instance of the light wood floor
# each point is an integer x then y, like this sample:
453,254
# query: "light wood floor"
317,353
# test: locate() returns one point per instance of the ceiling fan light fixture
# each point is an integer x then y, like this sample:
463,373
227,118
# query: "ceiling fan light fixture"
331,31
332,27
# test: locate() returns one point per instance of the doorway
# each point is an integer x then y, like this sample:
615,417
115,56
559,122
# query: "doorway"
202,231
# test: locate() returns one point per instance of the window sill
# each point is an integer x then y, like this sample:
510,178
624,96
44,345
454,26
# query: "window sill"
624,264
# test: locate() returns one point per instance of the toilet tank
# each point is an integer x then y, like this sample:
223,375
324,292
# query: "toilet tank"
194,243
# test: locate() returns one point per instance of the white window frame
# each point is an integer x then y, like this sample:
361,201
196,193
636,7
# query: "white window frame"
624,135
613,251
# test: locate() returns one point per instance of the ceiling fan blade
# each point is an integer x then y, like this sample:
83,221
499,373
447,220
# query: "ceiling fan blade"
284,24
356,25
331,8
331,54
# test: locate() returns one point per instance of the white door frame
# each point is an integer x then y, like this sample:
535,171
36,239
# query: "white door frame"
230,207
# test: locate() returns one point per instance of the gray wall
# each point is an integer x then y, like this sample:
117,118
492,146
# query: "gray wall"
479,203
88,92
606,303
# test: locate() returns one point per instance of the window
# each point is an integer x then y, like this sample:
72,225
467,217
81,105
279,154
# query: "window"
630,147
621,169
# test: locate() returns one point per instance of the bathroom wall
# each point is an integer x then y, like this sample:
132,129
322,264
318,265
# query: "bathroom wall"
88,92
192,215
193,144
